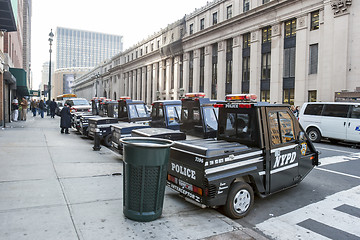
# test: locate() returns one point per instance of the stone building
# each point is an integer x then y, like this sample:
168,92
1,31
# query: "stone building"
290,51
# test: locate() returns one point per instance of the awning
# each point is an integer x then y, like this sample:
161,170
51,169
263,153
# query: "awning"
7,16
21,83
9,78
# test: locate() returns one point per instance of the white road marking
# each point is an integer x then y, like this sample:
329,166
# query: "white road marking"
339,159
340,173
334,150
285,226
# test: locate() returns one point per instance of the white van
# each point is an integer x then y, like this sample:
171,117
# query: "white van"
333,120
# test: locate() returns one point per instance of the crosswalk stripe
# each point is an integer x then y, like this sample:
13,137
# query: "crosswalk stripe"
285,226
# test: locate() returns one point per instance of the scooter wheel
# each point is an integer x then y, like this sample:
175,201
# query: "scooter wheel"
239,201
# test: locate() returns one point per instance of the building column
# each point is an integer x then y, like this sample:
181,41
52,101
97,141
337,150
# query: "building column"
126,84
144,84
155,80
255,63
138,83
176,77
161,78
207,71
276,76
168,78
134,87
221,74
301,61
196,72
237,66
186,72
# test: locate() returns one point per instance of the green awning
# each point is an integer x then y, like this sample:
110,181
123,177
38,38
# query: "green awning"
21,82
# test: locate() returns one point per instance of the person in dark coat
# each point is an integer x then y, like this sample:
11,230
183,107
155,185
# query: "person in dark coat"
65,122
42,108
53,107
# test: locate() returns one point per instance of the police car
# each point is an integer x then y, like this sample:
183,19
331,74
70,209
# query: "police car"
198,116
260,148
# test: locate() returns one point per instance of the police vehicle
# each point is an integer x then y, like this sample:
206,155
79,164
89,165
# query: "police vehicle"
260,148
166,114
198,116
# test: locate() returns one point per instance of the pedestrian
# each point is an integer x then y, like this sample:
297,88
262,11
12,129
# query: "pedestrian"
15,109
65,121
52,106
41,108
24,106
33,107
296,111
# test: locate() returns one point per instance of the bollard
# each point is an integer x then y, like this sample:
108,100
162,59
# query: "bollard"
96,146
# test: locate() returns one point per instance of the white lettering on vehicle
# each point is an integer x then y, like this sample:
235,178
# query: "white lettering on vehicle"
284,159
183,171
198,159
185,192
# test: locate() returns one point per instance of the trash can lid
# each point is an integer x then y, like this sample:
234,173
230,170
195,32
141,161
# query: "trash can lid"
147,142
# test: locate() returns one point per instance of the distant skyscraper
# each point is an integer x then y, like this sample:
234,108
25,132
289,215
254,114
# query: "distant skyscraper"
78,48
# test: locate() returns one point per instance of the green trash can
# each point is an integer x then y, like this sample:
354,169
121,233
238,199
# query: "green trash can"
145,163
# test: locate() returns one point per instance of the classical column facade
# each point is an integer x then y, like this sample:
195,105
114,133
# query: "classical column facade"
237,65
186,71
168,78
276,76
196,77
301,55
176,77
255,63
221,74
155,71
207,71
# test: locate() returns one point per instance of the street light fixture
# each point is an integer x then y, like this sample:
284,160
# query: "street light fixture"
51,35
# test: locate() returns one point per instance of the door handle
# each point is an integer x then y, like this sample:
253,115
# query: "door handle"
344,124
349,124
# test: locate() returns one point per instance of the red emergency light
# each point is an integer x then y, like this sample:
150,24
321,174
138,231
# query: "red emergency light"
241,97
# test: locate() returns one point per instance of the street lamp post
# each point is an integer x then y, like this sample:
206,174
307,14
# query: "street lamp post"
51,35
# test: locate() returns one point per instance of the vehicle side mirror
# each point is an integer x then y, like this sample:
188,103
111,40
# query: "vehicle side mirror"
301,137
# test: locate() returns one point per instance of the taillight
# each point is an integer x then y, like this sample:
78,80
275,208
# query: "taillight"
197,190
219,105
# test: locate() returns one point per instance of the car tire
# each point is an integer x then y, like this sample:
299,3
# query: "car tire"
107,140
239,201
314,134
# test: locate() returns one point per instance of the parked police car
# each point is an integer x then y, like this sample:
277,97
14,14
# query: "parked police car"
261,148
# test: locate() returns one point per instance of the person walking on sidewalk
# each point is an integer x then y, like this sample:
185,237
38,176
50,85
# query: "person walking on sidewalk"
33,107
65,122
41,108
15,109
24,106
52,106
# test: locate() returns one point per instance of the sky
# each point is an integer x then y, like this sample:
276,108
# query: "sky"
135,20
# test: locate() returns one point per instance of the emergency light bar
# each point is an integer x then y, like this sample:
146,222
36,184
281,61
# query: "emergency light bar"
195,95
232,105
241,97
124,98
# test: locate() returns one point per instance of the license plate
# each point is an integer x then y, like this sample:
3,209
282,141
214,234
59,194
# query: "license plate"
185,185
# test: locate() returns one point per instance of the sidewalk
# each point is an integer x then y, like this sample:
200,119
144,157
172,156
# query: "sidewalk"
54,186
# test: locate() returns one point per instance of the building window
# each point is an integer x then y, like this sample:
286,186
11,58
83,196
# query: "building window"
191,30
312,96
181,72
141,52
202,24
265,96
245,74
289,62
266,1
288,96
146,50
191,70
290,28
152,47
246,40
214,71
229,12
313,61
266,34
314,20
265,66
246,6
202,69
229,53
215,18
158,44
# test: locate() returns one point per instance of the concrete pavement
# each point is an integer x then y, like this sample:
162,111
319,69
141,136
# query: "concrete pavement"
54,186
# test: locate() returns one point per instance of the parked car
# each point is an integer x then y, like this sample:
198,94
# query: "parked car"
78,105
338,121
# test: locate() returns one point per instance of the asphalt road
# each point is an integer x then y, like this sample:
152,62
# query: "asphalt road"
325,205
